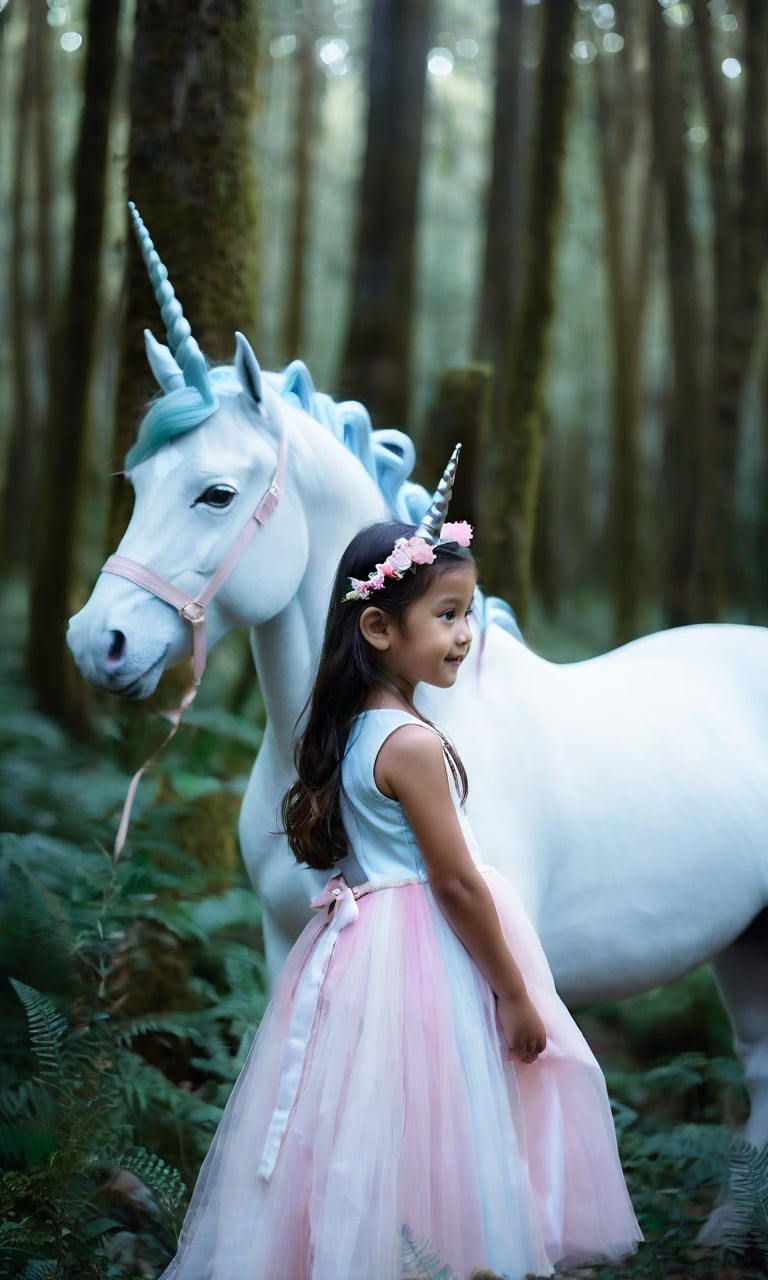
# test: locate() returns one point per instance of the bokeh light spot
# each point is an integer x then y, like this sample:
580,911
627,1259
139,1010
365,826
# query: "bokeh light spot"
604,16
696,137
613,42
70,41
583,51
678,15
731,68
281,46
332,53
439,61
467,48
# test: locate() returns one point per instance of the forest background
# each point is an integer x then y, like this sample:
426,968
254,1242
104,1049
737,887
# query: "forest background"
539,227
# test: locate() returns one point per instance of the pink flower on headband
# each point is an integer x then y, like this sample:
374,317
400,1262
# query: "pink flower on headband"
406,553
419,550
460,531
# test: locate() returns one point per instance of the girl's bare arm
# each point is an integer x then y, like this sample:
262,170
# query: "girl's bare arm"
410,768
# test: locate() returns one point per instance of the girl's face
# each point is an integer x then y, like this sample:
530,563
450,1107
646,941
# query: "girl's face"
433,637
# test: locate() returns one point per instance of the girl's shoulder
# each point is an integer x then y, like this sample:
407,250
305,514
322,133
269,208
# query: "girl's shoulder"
374,728
392,734
382,723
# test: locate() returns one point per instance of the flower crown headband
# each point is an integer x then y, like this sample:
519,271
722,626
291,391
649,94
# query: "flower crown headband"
419,548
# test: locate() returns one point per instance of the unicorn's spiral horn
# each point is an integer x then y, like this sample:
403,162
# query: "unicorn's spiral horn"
432,522
183,346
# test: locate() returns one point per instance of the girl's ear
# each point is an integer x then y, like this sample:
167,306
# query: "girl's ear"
375,627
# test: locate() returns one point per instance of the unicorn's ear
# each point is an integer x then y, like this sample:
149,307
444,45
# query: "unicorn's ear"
167,373
247,369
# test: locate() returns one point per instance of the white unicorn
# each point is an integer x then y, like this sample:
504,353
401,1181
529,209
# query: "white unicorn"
626,797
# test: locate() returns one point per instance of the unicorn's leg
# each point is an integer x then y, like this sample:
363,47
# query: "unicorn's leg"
741,972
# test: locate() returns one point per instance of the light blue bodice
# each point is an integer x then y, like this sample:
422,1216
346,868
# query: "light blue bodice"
382,844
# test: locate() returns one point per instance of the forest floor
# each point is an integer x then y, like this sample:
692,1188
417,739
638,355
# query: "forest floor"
163,954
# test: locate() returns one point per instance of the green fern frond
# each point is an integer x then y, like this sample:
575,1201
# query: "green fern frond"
748,1227
46,1027
420,1261
40,1270
161,1179
151,1025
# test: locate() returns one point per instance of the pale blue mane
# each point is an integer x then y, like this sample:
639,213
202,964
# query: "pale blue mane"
388,456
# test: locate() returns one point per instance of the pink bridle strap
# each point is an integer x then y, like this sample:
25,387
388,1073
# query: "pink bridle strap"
192,610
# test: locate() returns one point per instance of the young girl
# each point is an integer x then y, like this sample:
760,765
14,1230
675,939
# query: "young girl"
416,1087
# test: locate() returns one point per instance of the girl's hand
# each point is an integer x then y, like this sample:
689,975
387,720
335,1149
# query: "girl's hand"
523,1029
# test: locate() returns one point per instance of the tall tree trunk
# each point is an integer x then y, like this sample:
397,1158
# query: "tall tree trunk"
625,169
514,456
505,203
311,81
376,367
26,305
546,569
459,413
681,462
191,172
739,194
49,669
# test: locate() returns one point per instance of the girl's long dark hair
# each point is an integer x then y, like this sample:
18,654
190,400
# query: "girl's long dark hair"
347,672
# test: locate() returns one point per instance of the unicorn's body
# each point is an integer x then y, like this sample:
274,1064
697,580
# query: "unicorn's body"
626,797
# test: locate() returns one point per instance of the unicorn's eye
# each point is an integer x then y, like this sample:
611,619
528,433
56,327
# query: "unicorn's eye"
218,496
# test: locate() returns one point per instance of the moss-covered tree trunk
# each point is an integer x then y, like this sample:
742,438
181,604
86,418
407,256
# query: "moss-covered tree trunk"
192,174
513,461
739,193
30,286
680,477
460,413
499,285
310,85
376,367
50,670
625,168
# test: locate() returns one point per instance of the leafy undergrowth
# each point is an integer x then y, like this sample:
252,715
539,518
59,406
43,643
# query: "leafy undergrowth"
136,991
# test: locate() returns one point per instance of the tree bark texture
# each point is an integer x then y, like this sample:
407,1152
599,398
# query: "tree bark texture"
376,367
191,172
514,456
499,284
625,170
681,450
459,414
311,82
739,193
49,667
30,289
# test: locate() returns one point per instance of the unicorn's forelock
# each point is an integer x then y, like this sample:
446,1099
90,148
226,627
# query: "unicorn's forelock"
388,456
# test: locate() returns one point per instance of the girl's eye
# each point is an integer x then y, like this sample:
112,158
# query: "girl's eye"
450,614
217,496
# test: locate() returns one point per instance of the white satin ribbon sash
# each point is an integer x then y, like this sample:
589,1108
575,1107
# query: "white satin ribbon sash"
341,899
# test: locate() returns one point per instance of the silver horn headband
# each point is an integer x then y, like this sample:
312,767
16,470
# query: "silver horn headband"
408,553
432,522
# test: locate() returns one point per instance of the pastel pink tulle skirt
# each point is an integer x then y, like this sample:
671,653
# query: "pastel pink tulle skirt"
378,1120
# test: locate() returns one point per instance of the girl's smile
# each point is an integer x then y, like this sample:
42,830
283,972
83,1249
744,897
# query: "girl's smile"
435,636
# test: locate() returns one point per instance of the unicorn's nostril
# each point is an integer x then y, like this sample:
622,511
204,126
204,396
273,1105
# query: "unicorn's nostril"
116,650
